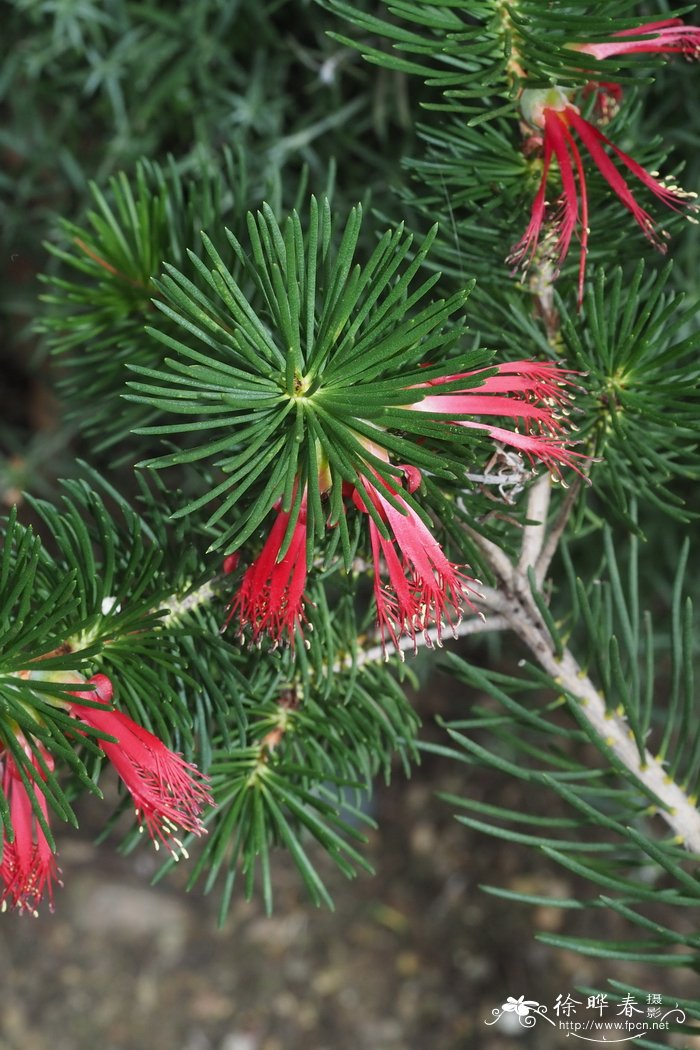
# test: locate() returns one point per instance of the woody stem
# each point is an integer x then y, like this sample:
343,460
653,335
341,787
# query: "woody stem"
513,602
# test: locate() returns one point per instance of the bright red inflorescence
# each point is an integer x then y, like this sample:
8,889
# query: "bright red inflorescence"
533,393
559,125
669,36
422,588
29,870
270,599
169,793
563,130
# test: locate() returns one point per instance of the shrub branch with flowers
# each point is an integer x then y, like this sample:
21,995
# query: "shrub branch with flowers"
312,443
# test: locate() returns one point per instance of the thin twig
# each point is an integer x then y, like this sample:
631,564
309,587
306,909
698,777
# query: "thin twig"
510,609
428,639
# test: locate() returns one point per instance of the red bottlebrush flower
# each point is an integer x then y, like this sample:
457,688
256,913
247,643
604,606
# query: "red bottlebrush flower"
29,869
669,36
424,588
270,599
168,792
528,391
558,118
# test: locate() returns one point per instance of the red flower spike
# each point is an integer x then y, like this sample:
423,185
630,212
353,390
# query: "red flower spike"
551,451
424,588
559,119
271,599
532,380
669,36
168,793
530,392
29,869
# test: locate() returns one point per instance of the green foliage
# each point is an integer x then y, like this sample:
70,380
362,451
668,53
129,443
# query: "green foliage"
324,371
634,346
300,775
638,354
476,52
480,165
475,181
96,88
35,612
97,317
97,592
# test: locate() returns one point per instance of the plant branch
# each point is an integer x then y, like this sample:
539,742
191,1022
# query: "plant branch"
534,534
430,639
513,602
179,607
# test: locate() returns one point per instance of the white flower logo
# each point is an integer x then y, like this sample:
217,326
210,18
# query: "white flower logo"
520,1006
